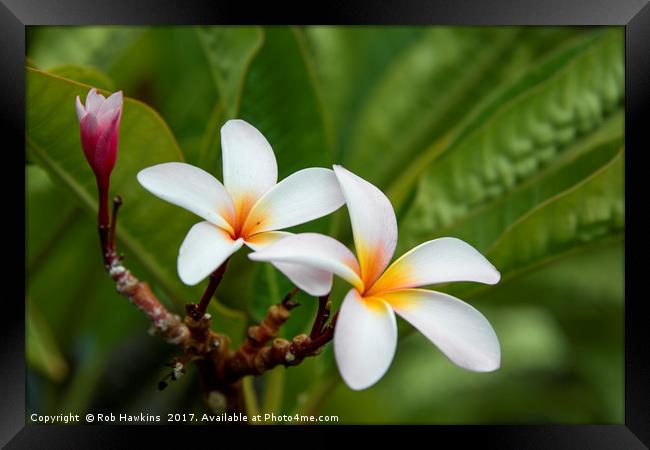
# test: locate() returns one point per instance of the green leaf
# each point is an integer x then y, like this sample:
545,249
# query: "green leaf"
281,99
482,226
168,69
90,46
426,89
349,62
43,353
230,51
49,215
84,74
589,212
521,130
150,230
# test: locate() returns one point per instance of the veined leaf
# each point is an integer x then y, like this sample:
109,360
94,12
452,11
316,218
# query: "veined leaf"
168,69
150,229
349,62
482,226
564,100
590,211
230,51
427,87
280,98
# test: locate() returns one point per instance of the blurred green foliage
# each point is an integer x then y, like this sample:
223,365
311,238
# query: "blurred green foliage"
510,138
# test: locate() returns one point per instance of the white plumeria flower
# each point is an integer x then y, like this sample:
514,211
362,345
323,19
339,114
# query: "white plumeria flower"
365,336
248,208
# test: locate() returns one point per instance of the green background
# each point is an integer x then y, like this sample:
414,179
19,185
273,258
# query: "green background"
510,138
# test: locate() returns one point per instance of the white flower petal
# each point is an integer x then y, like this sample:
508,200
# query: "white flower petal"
365,339
93,101
303,196
80,109
205,248
314,250
314,281
461,332
260,241
191,188
249,166
439,261
373,223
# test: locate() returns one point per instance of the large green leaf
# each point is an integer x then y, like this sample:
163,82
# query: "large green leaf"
230,51
349,61
482,226
150,229
520,131
426,89
588,212
281,99
91,46
49,214
84,74
168,69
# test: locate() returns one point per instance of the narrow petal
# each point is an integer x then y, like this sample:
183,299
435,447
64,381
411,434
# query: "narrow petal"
303,196
373,223
461,332
249,166
191,188
439,261
110,110
205,248
94,101
365,339
314,250
114,101
80,109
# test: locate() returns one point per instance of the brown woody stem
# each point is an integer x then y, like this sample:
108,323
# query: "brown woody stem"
221,369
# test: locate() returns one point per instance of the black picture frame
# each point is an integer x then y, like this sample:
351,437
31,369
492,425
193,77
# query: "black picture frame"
634,15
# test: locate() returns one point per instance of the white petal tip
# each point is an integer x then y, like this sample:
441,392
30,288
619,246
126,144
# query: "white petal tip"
490,366
359,386
80,109
234,123
189,280
494,278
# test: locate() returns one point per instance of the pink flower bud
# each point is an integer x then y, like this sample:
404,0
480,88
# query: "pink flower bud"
99,121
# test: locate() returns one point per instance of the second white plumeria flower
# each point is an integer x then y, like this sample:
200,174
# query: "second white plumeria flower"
365,336
247,208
